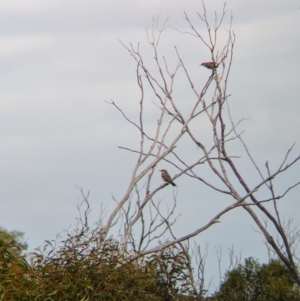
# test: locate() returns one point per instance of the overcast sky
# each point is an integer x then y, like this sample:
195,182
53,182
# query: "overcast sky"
60,61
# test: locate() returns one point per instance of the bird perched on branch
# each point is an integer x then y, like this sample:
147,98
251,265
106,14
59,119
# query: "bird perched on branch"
210,65
166,177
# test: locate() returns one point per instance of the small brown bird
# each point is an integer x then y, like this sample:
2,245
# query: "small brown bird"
166,177
210,65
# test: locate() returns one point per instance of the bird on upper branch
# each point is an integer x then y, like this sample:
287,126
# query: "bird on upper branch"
210,65
166,177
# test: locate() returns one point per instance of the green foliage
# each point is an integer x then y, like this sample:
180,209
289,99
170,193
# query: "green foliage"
79,266
175,272
19,245
13,268
255,282
84,267
13,265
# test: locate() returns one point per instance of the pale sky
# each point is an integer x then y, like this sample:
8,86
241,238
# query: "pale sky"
60,61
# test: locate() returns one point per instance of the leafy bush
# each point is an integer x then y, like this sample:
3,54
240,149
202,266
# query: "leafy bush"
78,266
255,282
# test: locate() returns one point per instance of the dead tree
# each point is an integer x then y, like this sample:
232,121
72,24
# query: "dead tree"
178,122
